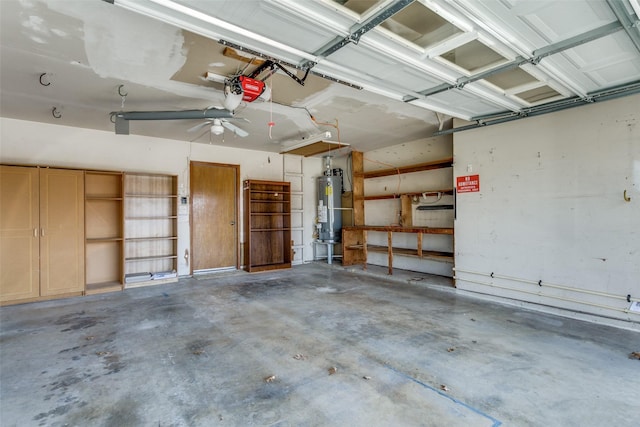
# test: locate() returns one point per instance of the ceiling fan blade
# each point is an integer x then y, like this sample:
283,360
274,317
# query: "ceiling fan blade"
206,131
235,129
199,126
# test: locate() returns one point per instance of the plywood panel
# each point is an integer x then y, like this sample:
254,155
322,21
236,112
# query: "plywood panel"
103,219
19,233
62,257
104,260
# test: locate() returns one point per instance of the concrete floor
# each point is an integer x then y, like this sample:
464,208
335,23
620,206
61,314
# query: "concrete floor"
197,353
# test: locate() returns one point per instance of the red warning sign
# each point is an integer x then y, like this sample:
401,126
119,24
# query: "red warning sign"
468,184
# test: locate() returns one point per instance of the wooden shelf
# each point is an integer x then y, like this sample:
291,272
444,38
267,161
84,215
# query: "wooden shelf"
448,191
147,239
104,234
103,239
434,207
150,217
267,243
438,255
438,164
398,229
98,198
355,247
150,225
149,258
152,196
152,282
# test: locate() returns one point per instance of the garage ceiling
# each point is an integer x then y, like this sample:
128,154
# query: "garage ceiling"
379,72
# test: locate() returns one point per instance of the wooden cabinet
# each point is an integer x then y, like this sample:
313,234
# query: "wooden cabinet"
150,229
104,231
41,233
267,225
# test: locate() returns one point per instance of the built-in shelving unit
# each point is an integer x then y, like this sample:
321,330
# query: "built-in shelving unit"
355,246
356,241
150,229
267,225
103,231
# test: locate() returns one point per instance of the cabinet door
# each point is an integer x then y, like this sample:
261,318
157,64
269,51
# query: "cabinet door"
61,231
19,233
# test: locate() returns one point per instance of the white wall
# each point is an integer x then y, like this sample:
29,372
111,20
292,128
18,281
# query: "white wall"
32,143
387,212
550,208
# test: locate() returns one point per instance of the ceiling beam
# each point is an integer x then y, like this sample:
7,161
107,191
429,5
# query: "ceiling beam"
576,101
537,56
577,40
358,30
629,25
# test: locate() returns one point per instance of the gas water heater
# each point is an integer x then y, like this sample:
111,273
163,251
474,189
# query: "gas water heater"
329,204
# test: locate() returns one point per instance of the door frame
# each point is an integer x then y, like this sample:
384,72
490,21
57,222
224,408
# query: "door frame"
236,169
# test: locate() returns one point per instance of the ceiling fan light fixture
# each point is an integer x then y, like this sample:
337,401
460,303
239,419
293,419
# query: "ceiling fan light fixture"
216,127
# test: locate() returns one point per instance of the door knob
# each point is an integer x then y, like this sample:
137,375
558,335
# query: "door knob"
233,223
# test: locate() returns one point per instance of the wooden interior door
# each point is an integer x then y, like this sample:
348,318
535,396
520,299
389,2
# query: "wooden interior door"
19,233
214,216
61,231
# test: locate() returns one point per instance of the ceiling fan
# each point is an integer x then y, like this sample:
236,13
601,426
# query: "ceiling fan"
217,126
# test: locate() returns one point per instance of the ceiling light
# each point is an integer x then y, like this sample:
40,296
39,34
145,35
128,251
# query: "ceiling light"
216,127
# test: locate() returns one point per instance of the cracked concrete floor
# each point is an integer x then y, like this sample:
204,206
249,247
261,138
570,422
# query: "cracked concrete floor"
258,349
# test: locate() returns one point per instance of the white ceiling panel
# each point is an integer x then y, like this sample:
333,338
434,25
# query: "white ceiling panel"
550,21
382,67
462,58
468,105
610,60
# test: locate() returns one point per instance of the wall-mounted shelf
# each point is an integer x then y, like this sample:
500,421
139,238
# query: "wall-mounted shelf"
428,193
420,167
355,246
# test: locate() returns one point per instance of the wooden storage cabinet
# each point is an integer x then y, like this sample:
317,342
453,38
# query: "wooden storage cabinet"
151,231
41,233
104,231
267,225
